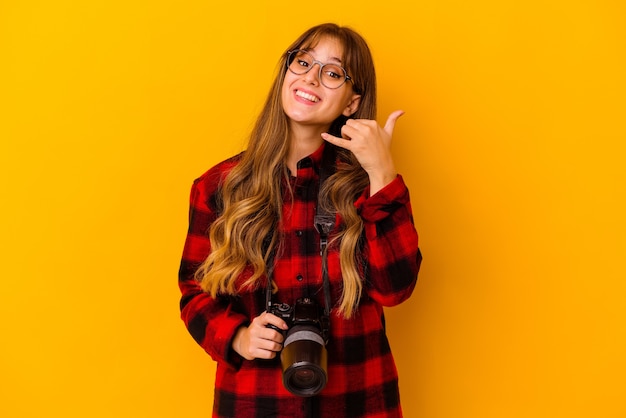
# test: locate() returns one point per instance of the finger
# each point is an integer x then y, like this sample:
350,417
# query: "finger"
340,142
263,354
270,334
391,121
271,319
350,132
266,332
268,345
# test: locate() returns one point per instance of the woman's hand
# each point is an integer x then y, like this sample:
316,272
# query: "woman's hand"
259,341
371,145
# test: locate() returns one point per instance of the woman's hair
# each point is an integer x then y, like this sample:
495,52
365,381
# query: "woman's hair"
251,206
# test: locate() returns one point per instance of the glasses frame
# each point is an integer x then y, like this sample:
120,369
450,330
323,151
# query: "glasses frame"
320,64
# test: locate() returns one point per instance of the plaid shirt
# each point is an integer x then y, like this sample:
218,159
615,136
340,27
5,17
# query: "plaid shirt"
362,376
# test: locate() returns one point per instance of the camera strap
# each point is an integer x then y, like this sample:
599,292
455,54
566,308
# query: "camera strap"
324,220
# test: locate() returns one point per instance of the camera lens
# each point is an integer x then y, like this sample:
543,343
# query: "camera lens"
304,379
305,376
304,360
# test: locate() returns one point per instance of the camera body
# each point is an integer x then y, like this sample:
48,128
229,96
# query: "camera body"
303,357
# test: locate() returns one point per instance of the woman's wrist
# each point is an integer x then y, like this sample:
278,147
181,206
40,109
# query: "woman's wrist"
238,340
378,182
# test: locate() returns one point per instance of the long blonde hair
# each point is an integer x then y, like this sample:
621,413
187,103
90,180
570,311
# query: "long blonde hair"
251,205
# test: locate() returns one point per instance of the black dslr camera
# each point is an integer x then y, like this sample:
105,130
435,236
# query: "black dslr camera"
304,357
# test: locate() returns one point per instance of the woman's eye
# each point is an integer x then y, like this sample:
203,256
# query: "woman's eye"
303,63
333,74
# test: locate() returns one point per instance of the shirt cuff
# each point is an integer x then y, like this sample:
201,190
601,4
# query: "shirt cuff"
225,333
384,202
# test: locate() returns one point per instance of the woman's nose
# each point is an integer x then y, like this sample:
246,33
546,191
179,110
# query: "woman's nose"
313,75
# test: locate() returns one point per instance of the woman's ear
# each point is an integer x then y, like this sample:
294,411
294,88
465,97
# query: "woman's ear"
353,105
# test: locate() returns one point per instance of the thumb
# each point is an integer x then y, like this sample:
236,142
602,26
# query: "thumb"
391,121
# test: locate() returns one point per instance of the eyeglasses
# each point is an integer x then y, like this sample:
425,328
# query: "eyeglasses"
331,76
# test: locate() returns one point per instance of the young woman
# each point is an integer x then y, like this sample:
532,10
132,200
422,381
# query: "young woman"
252,229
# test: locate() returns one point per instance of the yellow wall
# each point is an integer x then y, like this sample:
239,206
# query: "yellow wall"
512,145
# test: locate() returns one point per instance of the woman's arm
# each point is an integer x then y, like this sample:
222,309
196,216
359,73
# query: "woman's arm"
212,322
391,243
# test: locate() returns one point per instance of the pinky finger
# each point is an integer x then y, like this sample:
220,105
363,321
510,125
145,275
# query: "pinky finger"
340,142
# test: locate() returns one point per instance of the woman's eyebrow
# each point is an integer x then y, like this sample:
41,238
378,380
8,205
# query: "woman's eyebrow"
312,52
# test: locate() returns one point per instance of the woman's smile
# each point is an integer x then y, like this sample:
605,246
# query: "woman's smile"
307,96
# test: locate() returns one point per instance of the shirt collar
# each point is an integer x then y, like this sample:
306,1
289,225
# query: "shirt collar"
313,160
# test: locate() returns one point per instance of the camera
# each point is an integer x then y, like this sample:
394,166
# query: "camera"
304,357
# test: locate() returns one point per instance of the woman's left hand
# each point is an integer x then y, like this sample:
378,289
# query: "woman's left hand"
371,145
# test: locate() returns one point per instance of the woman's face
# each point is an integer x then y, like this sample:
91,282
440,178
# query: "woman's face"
307,102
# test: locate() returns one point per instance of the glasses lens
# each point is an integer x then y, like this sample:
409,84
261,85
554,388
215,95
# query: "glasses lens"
332,75
300,62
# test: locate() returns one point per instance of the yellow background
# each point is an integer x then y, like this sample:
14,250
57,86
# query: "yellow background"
512,146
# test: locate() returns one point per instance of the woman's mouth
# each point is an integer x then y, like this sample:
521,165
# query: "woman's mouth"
307,96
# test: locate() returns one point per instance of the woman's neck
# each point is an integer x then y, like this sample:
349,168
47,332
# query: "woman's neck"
303,142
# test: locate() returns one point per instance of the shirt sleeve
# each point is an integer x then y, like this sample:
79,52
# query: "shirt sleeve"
212,322
391,243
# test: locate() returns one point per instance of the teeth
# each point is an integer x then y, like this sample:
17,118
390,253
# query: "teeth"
307,96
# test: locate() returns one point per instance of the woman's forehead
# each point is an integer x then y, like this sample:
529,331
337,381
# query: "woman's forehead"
313,42
334,44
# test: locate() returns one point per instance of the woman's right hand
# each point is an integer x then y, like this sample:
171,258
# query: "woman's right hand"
258,340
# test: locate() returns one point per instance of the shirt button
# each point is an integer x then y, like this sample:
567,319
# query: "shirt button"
298,233
299,277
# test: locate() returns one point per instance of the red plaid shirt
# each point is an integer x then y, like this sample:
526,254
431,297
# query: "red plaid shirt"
362,376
